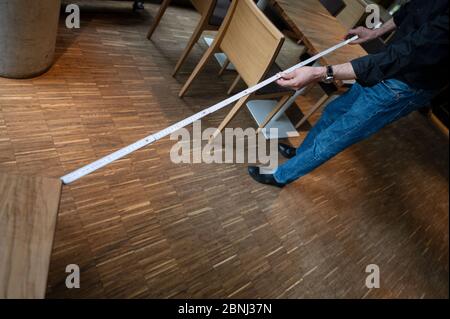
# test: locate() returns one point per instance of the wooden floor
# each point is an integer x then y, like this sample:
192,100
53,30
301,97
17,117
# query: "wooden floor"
144,227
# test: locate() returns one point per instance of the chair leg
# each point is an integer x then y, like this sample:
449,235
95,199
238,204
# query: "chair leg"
277,108
192,41
308,89
162,10
300,41
235,83
208,54
313,110
239,104
224,67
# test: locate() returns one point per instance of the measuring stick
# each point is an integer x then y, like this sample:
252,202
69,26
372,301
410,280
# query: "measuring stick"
88,169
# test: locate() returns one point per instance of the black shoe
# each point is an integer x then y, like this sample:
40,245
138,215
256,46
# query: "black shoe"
138,5
267,179
287,151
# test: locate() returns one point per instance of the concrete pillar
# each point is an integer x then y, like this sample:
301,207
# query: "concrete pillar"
28,31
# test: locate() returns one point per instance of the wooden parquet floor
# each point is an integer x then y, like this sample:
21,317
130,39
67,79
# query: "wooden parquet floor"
145,227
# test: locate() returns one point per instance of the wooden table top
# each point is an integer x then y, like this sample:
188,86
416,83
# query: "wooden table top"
28,211
318,29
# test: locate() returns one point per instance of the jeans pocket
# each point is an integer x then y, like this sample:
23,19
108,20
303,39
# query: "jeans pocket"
398,88
390,93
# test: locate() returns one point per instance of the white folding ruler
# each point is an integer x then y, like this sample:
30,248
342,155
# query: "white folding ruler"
88,169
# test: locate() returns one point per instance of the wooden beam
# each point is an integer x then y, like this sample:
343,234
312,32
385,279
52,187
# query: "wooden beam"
437,122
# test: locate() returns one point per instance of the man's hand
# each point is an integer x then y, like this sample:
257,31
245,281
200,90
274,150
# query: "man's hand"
364,35
302,77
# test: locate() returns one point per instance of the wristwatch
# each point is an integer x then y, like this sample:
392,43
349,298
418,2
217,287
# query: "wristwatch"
329,77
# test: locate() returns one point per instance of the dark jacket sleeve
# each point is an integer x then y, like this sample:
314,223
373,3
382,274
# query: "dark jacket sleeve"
426,46
400,15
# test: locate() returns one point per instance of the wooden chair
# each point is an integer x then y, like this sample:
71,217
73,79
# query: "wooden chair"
348,12
212,14
334,7
352,13
251,43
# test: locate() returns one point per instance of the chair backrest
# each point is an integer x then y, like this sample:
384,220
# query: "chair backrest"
250,40
220,11
204,6
352,13
333,6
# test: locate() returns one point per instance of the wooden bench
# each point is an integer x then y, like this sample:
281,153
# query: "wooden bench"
28,211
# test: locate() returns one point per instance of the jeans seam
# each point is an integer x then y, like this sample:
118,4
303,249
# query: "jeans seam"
396,95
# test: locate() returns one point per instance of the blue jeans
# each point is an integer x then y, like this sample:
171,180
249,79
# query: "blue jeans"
354,116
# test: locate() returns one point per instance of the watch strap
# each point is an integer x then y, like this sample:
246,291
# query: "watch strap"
330,71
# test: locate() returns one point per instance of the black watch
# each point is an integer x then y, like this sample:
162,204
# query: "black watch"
329,78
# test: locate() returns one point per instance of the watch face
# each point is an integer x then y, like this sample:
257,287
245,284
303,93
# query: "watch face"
328,80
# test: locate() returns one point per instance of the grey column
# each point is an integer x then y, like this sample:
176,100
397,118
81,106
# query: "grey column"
28,31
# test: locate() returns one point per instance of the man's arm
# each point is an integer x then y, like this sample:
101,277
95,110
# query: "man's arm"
370,34
308,75
365,34
427,46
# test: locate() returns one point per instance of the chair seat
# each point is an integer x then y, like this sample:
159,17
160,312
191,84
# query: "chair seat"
220,11
273,88
333,6
222,6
